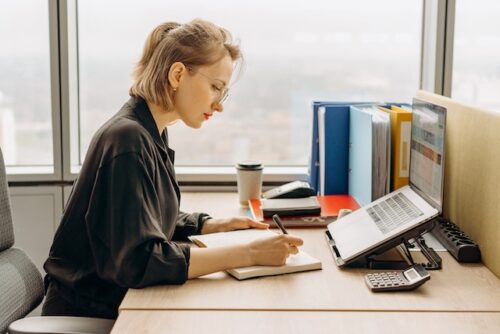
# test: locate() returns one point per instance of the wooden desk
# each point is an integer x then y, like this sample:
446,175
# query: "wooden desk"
456,288
265,322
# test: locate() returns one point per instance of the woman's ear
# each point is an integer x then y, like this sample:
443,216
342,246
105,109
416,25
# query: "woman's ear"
175,73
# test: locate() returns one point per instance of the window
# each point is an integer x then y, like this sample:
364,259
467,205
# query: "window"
295,52
25,94
476,66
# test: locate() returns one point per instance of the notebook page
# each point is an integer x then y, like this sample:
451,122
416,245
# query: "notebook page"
298,262
231,238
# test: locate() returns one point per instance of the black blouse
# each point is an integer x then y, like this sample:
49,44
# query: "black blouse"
123,213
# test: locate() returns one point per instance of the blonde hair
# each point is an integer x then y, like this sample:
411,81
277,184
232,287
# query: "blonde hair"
196,43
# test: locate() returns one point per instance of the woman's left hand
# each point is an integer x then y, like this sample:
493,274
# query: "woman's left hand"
230,224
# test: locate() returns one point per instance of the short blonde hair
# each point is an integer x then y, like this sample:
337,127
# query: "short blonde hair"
196,43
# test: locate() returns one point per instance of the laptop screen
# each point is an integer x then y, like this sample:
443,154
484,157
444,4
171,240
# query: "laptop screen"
427,151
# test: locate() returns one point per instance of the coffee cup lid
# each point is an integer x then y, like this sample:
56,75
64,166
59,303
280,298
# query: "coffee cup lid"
249,165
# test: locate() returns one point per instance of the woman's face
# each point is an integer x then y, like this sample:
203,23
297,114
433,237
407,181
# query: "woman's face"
200,92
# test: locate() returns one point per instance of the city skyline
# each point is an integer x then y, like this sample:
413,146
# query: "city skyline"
356,56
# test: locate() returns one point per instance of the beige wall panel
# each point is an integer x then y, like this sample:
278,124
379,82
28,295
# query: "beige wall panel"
472,174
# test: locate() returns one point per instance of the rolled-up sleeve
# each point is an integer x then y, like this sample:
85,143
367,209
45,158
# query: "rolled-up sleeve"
189,224
124,228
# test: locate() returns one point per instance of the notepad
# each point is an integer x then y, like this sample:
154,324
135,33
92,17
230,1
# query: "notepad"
295,263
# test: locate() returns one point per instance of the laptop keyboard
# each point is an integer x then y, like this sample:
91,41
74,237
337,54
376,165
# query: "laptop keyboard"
393,212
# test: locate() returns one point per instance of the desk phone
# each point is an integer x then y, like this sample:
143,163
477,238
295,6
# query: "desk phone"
295,189
408,279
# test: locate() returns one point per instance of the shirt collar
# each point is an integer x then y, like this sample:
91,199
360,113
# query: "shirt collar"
141,110
143,113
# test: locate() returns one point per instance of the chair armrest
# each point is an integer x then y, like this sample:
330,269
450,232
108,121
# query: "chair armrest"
59,325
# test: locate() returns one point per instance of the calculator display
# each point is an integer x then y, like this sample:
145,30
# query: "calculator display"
411,274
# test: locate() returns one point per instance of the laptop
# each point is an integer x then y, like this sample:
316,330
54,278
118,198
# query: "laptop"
406,209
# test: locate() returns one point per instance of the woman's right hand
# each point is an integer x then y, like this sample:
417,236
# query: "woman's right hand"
273,251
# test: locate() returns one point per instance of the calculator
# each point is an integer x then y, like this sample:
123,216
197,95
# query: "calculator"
408,279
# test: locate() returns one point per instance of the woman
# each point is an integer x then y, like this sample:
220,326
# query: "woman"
122,219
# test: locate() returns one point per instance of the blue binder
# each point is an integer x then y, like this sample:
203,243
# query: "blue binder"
369,169
314,158
333,149
360,156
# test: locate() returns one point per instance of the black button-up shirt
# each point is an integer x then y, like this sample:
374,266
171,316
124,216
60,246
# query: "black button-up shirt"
123,213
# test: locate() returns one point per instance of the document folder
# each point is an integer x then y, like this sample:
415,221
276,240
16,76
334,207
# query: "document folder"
369,153
400,145
333,127
314,159
314,163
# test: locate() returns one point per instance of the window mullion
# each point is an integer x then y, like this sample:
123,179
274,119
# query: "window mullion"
437,46
69,83
54,34
449,43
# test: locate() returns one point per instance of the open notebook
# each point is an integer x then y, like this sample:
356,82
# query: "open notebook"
298,262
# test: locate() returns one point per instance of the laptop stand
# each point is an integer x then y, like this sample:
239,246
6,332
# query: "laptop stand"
377,258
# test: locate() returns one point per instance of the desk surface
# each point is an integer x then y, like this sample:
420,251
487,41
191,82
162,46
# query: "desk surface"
331,296
305,322
458,287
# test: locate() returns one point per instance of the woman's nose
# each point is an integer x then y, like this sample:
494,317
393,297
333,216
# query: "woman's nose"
218,107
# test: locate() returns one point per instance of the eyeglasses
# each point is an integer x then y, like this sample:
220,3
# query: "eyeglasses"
222,92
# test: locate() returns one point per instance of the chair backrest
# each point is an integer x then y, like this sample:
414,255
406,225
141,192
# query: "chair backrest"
6,229
21,285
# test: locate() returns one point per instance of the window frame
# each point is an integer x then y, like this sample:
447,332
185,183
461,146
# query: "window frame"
47,173
435,75
437,46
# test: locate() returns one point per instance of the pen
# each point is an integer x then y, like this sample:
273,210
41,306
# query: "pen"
278,222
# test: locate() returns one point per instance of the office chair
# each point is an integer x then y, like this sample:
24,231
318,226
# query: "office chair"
21,288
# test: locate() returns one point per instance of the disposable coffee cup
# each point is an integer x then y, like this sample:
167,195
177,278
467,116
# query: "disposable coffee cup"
249,180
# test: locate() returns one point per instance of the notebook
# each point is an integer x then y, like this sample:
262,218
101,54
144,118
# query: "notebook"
295,263
407,208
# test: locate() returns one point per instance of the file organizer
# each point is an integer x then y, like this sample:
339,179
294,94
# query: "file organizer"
329,170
